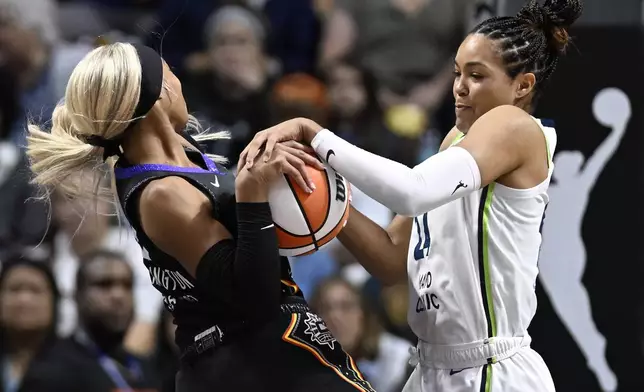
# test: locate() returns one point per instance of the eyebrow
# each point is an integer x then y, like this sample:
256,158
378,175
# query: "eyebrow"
471,64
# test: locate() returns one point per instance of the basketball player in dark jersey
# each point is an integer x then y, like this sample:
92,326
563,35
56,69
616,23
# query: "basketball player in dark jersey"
208,238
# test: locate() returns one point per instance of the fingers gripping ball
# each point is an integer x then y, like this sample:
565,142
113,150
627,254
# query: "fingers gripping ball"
305,222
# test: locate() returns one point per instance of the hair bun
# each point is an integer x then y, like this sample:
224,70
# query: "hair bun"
553,17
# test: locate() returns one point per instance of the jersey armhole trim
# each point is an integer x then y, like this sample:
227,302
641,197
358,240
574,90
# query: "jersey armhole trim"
138,188
457,139
505,191
133,196
542,128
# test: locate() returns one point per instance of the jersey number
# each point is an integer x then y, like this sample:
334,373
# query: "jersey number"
422,247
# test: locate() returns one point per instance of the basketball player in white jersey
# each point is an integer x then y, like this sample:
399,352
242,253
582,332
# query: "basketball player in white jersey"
468,232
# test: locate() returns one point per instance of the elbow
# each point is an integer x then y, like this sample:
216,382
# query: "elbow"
408,205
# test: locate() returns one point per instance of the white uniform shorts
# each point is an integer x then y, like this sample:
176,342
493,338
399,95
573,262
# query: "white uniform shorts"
493,365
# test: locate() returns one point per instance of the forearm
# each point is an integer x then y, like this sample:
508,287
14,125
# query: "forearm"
248,268
257,260
444,177
374,248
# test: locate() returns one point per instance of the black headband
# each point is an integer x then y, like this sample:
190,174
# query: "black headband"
151,79
150,92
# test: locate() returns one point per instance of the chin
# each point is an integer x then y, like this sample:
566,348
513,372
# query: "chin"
462,125
182,125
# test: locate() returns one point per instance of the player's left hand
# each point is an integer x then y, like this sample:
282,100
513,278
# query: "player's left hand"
289,158
298,129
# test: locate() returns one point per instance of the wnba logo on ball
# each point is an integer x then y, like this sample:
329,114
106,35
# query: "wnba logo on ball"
340,188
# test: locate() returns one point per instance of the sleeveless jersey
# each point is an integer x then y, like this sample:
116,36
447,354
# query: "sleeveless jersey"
194,310
472,263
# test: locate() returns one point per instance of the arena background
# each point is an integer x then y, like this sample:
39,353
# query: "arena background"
595,100
610,231
608,48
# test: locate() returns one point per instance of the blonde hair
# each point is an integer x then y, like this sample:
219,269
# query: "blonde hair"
100,99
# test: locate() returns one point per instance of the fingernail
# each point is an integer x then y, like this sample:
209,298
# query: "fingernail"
308,190
312,185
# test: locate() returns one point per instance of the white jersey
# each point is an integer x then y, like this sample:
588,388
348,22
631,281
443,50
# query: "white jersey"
472,263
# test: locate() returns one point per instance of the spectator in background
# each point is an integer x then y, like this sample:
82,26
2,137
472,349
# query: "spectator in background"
381,357
179,31
323,8
294,33
28,34
390,304
28,301
167,352
299,95
94,358
355,112
78,234
128,16
232,93
408,46
23,221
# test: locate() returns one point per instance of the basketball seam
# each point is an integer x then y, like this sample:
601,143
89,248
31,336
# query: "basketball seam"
291,234
336,226
301,207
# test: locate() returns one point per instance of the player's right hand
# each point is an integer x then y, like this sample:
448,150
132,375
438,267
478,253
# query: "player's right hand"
289,158
264,142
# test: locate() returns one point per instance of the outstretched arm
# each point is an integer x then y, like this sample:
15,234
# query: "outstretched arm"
494,146
442,178
499,142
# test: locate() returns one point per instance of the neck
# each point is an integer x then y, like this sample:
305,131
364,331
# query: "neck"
21,349
24,345
83,244
154,140
106,341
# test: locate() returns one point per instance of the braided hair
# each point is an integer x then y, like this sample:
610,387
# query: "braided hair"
533,40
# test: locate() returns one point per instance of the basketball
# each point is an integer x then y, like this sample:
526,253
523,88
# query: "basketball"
306,222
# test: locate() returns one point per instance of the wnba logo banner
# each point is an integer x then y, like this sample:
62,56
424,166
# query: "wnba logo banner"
588,326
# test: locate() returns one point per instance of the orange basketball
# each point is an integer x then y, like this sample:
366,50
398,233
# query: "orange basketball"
306,222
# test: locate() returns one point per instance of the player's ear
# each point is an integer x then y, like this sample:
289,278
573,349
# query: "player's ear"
525,84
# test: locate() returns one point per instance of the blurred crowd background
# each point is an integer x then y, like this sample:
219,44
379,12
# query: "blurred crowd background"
376,72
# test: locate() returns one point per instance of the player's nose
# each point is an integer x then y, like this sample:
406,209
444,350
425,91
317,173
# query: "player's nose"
460,89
